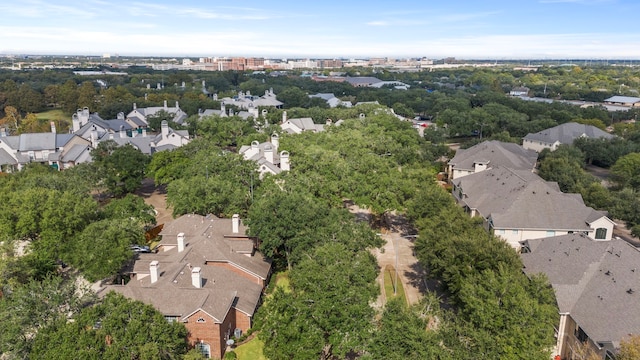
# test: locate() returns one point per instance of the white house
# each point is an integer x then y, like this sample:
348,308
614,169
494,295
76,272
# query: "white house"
60,151
490,154
266,154
562,134
137,118
518,205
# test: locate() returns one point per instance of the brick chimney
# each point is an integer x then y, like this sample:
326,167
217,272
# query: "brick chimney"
196,277
180,242
153,269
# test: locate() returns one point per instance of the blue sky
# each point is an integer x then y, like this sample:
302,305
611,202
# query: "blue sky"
486,29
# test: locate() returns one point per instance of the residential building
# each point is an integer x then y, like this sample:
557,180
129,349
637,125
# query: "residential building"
627,101
519,91
137,118
247,101
266,154
205,273
84,122
332,100
299,125
597,288
562,134
490,154
60,151
518,205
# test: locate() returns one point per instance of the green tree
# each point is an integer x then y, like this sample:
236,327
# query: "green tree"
409,333
120,168
26,309
327,313
116,328
103,247
626,171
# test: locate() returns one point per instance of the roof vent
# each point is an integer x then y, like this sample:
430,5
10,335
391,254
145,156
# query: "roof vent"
608,273
630,291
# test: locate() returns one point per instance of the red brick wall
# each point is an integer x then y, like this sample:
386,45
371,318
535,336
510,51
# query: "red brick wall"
243,321
210,332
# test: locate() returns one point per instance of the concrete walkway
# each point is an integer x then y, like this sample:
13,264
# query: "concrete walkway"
397,250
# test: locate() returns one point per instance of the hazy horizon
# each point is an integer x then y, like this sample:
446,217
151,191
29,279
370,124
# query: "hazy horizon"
491,30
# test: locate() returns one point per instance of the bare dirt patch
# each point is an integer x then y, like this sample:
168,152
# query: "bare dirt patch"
156,196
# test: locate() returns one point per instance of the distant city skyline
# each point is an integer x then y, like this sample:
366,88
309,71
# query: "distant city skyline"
494,29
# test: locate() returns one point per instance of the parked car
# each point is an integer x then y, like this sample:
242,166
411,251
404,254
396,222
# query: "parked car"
140,249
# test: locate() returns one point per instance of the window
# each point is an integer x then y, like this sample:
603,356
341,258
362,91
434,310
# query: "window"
171,318
514,231
204,349
551,233
601,233
200,320
501,231
581,335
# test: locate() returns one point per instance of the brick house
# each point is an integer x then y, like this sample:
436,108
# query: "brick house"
205,273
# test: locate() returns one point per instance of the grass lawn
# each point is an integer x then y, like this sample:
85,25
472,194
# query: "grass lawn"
389,279
251,350
282,280
53,115
63,120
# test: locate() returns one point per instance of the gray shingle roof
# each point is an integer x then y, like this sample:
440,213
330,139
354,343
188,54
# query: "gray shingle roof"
5,158
521,199
210,245
623,99
567,133
597,283
495,153
75,152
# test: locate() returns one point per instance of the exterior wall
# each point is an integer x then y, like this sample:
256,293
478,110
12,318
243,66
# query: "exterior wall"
514,236
289,126
601,223
210,332
238,271
243,321
535,145
173,139
570,343
457,173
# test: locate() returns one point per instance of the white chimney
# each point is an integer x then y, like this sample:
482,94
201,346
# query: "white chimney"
93,136
165,104
235,223
144,132
75,120
153,269
53,127
177,106
196,277
268,153
180,242
134,106
164,129
284,117
284,161
275,141
123,133
120,116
